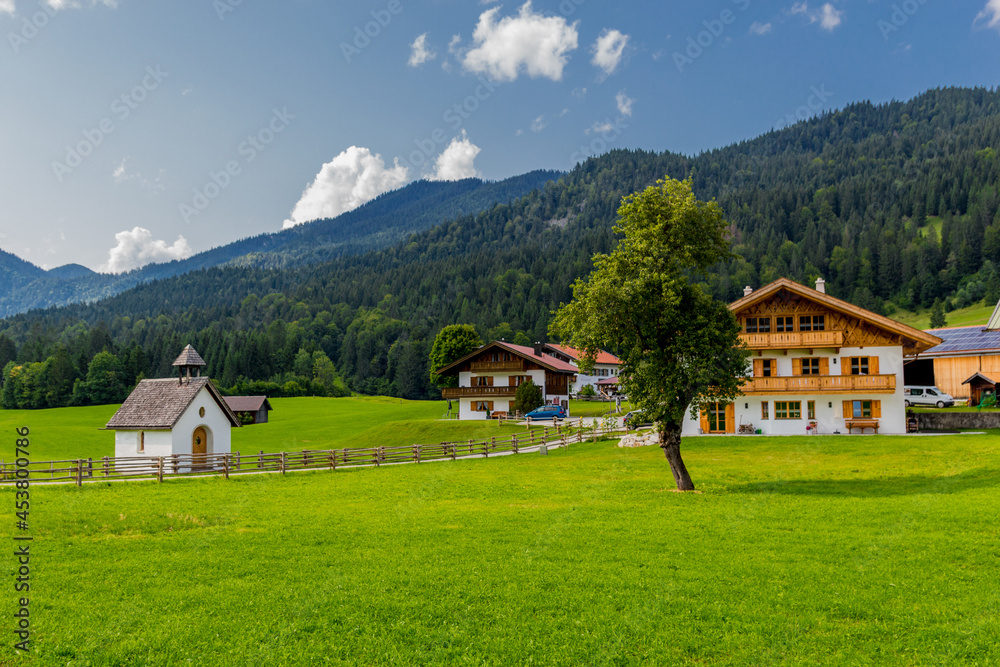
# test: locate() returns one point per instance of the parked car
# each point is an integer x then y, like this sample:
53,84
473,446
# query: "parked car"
927,396
548,412
635,419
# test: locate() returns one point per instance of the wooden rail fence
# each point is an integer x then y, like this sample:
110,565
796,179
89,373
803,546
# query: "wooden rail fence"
237,463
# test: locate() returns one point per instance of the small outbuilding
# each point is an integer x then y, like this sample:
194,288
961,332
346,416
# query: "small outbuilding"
980,387
249,409
182,415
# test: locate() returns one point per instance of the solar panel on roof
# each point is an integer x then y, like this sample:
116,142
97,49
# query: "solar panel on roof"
965,339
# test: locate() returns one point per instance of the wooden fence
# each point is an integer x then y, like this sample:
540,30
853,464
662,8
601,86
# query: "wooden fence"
236,463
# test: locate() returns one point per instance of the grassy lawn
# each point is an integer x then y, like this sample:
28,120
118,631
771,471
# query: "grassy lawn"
962,317
294,424
864,550
595,408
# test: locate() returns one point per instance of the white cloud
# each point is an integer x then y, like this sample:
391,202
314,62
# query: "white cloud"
137,248
828,16
624,103
530,42
122,175
598,128
457,161
608,50
759,28
351,179
420,53
539,124
991,14
7,6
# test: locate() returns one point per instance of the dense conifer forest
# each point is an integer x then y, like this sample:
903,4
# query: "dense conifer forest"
896,205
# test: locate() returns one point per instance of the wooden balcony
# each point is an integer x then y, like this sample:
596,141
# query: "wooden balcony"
449,393
793,339
497,366
556,390
825,384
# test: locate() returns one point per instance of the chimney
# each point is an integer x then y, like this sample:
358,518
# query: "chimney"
747,291
821,286
538,349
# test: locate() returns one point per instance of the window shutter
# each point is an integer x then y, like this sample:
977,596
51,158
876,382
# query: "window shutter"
876,409
758,367
824,365
489,380
873,365
845,365
848,409
731,418
704,420
797,366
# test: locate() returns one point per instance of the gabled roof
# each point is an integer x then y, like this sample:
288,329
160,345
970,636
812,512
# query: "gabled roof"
919,340
979,376
608,381
159,404
994,322
247,403
546,361
961,341
189,357
573,353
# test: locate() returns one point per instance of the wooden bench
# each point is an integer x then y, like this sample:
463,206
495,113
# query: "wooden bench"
862,424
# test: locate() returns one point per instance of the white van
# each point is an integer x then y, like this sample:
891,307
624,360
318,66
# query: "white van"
916,395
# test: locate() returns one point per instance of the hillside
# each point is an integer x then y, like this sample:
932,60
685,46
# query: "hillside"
896,205
378,224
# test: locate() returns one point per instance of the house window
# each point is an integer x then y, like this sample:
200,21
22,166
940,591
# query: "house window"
783,324
765,412
758,325
767,369
811,409
518,380
788,409
862,365
142,442
812,323
810,366
482,406
861,409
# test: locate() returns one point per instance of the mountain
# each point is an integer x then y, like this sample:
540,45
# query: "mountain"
895,204
378,224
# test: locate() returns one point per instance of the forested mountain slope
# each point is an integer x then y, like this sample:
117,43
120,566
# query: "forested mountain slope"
893,204
378,224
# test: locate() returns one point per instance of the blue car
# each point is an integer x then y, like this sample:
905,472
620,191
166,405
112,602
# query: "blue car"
548,412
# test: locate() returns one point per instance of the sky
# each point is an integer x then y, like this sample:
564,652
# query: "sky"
137,131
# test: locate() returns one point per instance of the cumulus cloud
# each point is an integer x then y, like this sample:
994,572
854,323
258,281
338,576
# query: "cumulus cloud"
351,179
539,124
419,53
599,128
608,50
624,103
990,14
759,28
828,16
137,248
7,6
533,43
457,161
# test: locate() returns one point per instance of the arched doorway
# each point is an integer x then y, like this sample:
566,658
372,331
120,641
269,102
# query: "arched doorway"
199,446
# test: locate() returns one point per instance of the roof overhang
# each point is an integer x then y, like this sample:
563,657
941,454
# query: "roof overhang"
452,368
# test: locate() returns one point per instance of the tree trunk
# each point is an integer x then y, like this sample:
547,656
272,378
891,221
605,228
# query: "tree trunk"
670,441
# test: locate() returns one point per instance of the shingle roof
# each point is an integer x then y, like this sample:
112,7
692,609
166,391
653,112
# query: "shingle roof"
573,353
979,376
544,360
158,404
247,403
189,357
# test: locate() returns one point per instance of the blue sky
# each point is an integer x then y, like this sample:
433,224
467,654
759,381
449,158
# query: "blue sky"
140,131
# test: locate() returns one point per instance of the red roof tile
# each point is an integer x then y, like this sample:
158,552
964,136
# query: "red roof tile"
573,353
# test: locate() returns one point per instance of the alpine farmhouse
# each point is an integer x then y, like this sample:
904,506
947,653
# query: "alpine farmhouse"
820,365
489,377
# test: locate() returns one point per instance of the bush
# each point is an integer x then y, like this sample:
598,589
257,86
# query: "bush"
588,391
528,397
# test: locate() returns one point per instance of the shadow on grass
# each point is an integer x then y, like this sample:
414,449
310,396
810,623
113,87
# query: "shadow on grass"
981,478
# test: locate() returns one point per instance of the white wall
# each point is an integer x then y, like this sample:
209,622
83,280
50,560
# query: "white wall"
829,419
215,422
158,443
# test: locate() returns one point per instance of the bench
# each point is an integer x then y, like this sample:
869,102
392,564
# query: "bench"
862,424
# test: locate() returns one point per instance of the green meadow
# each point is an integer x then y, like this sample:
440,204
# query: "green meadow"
850,550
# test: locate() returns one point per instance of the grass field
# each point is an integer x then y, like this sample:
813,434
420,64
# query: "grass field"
862,550
962,317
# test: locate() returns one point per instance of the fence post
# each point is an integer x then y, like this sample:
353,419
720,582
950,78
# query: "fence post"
305,458
79,472
90,468
106,465
513,442
333,459
527,421
282,464
159,469
454,450
225,465
260,462
237,461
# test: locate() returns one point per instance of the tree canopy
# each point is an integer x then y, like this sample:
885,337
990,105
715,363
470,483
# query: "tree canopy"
451,344
680,347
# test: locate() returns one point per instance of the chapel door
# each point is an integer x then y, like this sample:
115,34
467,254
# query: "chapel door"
199,445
